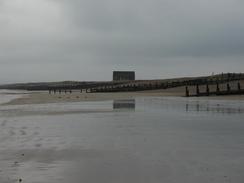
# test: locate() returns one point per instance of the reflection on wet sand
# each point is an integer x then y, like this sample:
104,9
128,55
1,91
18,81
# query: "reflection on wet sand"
69,108
213,108
129,104
37,110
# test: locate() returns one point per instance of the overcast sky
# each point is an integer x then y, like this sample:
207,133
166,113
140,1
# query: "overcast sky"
54,40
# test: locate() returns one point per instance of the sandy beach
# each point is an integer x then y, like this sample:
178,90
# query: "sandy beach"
44,97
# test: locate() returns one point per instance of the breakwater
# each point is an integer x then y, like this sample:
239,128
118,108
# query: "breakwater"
205,91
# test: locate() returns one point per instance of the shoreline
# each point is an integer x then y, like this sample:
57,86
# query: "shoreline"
76,96
45,97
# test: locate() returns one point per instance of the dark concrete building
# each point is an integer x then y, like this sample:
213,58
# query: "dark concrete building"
123,76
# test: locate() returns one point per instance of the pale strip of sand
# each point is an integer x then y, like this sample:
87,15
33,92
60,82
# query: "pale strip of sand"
76,96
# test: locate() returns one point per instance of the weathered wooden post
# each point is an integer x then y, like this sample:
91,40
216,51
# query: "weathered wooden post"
207,90
65,91
59,91
70,91
197,88
156,86
150,86
228,77
187,91
228,87
134,87
50,91
54,91
217,88
239,86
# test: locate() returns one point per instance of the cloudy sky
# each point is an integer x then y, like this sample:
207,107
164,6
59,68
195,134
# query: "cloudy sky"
53,40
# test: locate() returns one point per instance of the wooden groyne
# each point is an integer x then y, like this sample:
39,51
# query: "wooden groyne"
156,85
131,86
228,91
166,84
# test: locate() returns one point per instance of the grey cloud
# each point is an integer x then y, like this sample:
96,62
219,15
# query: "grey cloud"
162,37
170,28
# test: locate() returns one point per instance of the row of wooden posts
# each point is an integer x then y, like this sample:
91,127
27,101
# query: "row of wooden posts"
228,91
116,88
113,88
133,87
127,86
54,91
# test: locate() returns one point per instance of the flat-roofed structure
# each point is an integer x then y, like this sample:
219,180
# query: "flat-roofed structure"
123,75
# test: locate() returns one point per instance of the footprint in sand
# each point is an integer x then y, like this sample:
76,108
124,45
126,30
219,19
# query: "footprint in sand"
11,132
36,133
38,145
22,132
4,123
24,127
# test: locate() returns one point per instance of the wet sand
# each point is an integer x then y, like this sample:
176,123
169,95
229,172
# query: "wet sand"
158,139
